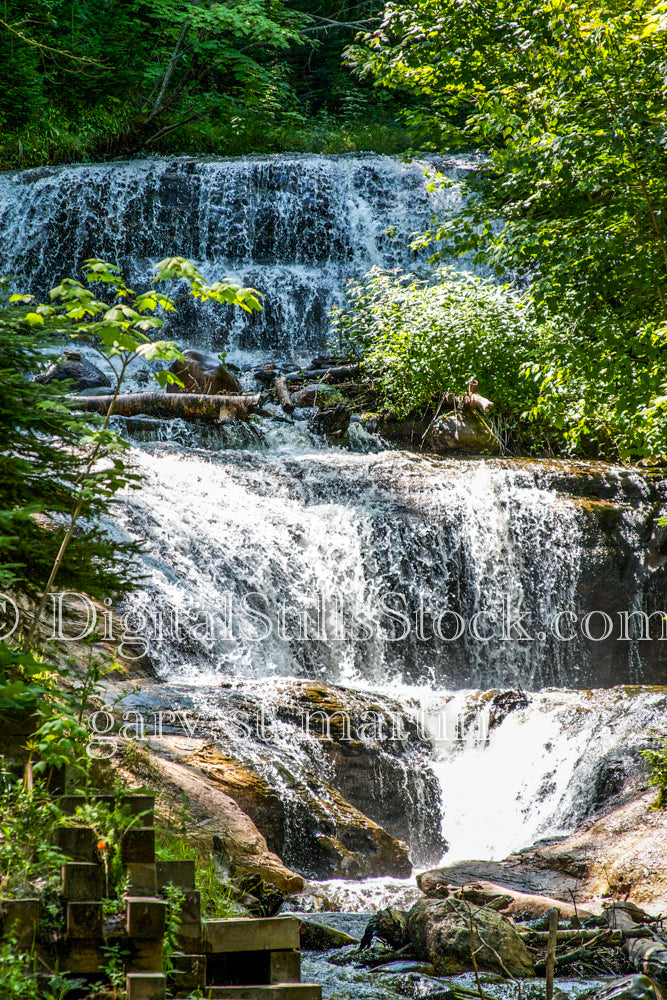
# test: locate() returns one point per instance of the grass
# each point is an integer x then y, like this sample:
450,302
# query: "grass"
104,132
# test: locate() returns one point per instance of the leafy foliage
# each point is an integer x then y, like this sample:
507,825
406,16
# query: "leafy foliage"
421,338
657,763
40,466
90,78
569,103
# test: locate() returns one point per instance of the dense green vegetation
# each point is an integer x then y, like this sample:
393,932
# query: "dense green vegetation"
59,472
569,103
419,337
89,79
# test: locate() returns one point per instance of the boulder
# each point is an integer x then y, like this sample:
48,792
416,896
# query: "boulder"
446,932
313,395
627,988
462,431
390,926
321,937
333,420
203,373
625,916
74,367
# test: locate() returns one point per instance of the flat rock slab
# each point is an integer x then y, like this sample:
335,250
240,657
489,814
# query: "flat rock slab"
515,874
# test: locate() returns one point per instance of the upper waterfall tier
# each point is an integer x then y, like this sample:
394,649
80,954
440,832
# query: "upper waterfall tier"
293,227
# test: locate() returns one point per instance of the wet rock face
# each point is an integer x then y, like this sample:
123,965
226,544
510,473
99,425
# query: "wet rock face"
337,841
620,578
320,773
445,933
379,761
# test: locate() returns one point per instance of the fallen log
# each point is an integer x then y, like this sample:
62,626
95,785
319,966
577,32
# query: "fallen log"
569,957
284,397
330,375
187,405
649,957
510,902
614,937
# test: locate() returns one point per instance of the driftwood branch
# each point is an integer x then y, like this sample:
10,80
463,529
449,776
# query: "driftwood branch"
187,405
284,397
339,373
552,941
615,937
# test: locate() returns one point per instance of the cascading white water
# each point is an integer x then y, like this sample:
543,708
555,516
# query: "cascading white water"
294,228
291,521
389,541
354,566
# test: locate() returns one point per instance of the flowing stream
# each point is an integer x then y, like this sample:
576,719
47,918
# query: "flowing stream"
272,557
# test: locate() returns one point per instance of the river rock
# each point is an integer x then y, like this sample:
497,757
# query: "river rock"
625,916
437,884
333,420
465,431
202,372
390,926
321,937
627,988
441,933
73,366
313,395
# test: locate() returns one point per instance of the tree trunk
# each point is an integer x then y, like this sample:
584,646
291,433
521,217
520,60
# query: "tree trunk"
189,406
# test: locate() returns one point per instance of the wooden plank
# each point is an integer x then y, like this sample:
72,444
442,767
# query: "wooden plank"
287,991
230,934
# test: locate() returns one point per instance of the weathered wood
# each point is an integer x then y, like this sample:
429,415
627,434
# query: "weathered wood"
649,957
330,375
615,937
551,951
187,405
229,934
284,397
584,953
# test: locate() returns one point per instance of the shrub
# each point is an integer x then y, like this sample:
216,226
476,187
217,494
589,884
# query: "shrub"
419,338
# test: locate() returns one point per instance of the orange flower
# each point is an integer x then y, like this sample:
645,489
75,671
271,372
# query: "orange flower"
101,845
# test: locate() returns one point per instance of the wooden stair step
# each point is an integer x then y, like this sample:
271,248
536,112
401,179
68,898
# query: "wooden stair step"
229,934
286,991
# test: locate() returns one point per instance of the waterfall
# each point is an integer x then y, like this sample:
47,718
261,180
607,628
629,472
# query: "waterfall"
294,228
281,556
272,559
